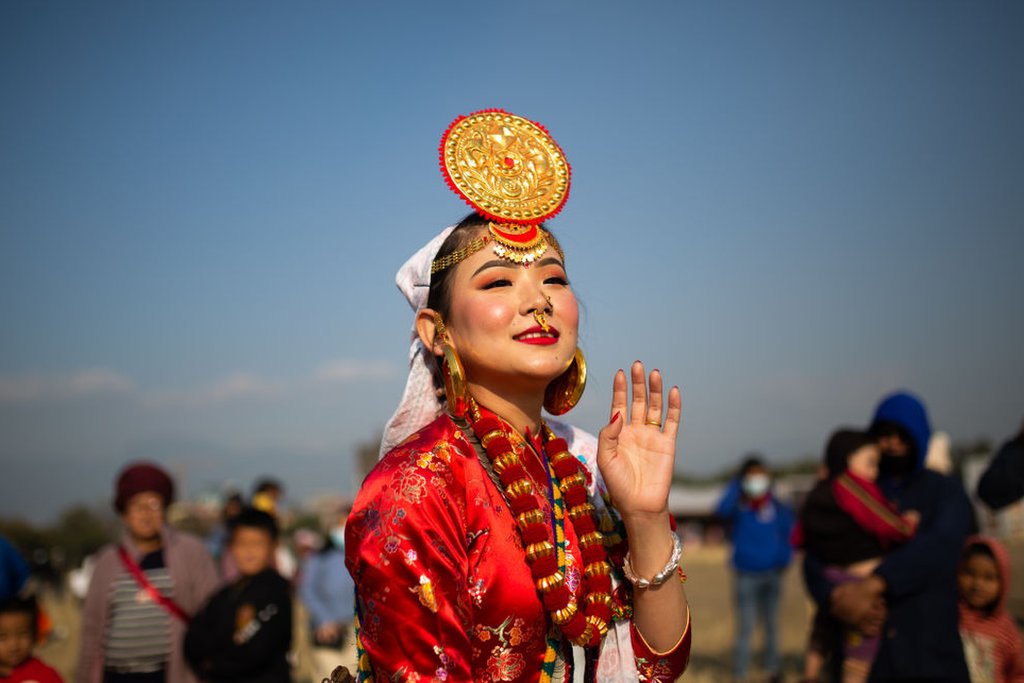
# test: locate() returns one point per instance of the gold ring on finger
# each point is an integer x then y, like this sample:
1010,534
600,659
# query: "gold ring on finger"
653,423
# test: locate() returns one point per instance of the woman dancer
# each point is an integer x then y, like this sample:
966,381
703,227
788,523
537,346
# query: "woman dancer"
485,545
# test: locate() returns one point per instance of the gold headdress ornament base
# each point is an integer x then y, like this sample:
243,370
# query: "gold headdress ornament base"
522,244
511,171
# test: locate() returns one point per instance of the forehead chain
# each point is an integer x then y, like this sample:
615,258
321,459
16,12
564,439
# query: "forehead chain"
518,244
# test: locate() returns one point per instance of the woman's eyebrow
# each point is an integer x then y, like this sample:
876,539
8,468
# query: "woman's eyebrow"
496,263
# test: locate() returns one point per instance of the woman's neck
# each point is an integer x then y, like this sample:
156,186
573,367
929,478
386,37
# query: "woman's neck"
146,545
522,411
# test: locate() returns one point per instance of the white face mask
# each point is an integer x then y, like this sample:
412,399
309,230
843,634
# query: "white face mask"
756,485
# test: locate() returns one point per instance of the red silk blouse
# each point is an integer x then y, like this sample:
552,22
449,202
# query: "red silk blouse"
444,590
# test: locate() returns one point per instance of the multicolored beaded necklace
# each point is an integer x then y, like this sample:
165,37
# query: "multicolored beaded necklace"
545,544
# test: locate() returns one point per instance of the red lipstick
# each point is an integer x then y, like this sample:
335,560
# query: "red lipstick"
537,335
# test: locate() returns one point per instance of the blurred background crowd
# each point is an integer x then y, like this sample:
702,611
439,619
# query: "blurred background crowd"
758,518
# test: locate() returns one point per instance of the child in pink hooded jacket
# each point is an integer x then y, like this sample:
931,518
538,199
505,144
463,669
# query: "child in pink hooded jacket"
992,645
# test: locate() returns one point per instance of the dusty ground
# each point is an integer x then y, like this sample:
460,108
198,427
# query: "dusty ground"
708,589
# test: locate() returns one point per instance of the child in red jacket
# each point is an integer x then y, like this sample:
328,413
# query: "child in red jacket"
991,643
19,628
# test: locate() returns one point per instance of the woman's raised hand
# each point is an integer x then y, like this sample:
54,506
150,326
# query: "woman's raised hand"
636,452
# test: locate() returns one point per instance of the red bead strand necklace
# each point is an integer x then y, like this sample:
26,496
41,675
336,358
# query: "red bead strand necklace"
587,627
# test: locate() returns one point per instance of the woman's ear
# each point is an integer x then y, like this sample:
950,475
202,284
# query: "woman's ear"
426,328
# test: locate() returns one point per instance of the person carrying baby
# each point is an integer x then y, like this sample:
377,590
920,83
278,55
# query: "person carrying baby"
849,524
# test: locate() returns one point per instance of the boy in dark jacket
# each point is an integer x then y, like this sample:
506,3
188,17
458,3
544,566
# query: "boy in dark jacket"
244,631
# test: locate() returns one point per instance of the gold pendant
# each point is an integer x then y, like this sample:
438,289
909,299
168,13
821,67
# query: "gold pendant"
522,244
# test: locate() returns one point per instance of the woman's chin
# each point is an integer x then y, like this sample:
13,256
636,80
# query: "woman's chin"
519,381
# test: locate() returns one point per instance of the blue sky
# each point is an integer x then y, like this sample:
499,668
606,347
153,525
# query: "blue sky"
790,208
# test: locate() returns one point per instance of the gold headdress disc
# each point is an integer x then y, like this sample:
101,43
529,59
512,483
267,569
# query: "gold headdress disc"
506,167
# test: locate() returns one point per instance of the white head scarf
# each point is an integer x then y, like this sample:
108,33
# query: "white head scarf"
419,405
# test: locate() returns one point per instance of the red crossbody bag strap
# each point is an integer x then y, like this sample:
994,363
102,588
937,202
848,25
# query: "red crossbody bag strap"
151,591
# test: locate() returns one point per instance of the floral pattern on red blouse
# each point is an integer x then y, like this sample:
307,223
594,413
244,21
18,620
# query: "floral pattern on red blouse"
445,593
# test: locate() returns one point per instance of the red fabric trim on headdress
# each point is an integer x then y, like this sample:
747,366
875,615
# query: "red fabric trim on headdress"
522,238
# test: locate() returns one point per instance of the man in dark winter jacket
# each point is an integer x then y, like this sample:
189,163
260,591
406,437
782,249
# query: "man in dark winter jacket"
912,596
1003,481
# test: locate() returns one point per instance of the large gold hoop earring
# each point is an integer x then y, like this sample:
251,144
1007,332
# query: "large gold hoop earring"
455,392
565,391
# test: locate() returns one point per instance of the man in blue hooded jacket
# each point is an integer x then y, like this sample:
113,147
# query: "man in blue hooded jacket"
912,595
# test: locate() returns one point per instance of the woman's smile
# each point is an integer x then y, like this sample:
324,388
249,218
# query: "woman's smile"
538,335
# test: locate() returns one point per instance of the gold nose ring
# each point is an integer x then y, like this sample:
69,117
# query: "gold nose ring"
539,317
